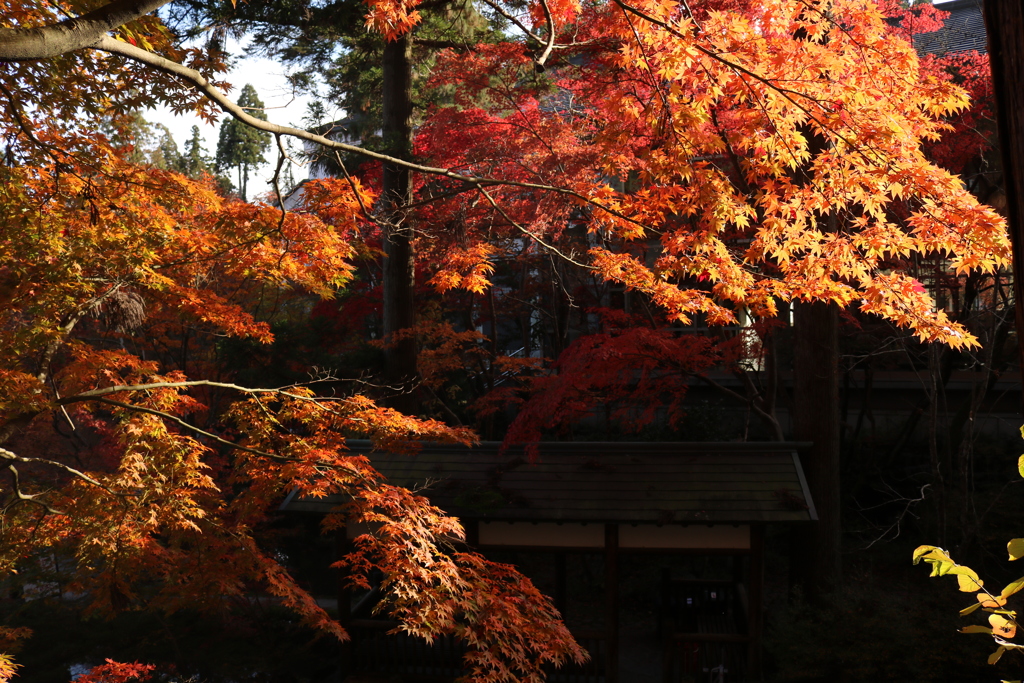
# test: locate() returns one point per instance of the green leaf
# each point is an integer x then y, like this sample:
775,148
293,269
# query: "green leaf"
1016,548
994,657
1020,465
967,610
976,628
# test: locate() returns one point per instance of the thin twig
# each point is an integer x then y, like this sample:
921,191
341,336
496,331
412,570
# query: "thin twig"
551,248
26,497
14,457
202,432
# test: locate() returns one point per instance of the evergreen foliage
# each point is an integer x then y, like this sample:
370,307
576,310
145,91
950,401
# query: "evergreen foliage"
194,160
241,147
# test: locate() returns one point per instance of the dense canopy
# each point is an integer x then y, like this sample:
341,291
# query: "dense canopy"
718,157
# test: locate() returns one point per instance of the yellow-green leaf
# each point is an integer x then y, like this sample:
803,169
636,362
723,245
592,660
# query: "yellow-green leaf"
1020,465
1016,548
976,628
923,550
969,581
1012,588
994,657
970,608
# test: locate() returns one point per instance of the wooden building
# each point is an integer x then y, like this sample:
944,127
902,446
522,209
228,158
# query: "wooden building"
610,504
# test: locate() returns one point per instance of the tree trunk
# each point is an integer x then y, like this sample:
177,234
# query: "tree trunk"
399,265
1004,22
816,558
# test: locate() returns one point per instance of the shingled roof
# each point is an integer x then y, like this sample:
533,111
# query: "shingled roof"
964,30
608,482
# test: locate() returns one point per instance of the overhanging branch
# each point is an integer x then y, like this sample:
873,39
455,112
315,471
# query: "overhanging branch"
200,83
43,42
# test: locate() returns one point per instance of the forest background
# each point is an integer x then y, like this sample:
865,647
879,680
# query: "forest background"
637,192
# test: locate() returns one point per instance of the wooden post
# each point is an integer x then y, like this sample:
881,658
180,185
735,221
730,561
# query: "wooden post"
755,600
611,589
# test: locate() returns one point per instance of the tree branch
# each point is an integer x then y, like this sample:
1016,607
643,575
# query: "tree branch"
43,42
21,496
750,401
11,456
202,432
116,47
521,228
551,36
106,391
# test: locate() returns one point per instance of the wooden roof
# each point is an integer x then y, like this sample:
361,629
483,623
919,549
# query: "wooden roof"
963,31
622,482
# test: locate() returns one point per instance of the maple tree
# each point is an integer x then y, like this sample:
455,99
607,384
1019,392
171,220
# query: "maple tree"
758,152
131,495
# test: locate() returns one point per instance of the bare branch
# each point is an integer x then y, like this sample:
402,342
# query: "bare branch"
202,432
503,12
551,35
26,497
200,83
750,401
14,457
276,182
18,44
550,247
204,86
107,391
355,192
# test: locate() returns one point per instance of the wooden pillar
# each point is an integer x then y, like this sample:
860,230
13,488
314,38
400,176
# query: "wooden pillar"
611,589
755,601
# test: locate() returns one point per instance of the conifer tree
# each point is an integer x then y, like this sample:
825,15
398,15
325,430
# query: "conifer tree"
241,147
194,161
165,154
